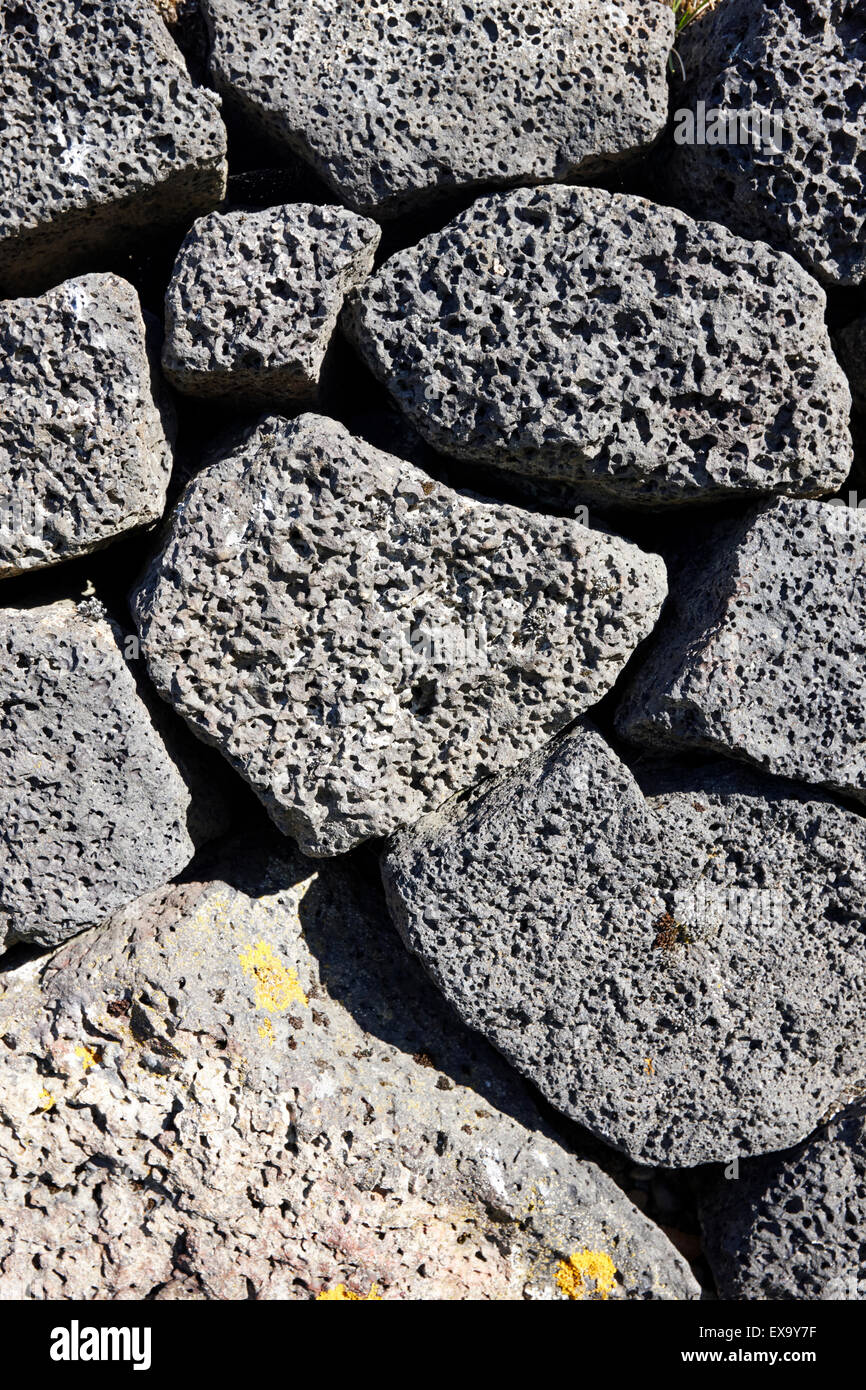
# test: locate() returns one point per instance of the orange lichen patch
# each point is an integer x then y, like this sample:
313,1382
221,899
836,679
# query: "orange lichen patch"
275,986
266,1032
649,1066
88,1056
46,1100
340,1294
589,1274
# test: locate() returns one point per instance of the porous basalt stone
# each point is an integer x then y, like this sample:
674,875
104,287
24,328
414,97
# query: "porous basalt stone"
791,1226
600,340
360,641
83,451
254,300
94,810
252,1091
761,652
683,973
398,101
798,66
103,136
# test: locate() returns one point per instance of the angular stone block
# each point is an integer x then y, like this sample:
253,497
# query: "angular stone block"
93,807
104,136
683,973
600,340
84,456
396,102
360,641
778,90
760,655
254,1092
254,300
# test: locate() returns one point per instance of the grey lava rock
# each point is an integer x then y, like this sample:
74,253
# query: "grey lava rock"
791,1226
795,69
360,641
684,973
93,808
104,136
600,340
396,102
254,1092
83,451
851,349
255,296
761,653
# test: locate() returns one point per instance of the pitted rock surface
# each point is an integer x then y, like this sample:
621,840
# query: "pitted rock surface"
761,656
232,1094
790,1226
83,451
93,809
598,339
398,101
103,135
800,62
685,975
361,641
255,296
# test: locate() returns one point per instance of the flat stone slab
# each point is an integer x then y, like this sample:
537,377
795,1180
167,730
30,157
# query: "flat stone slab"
603,341
791,74
254,300
254,1092
396,103
94,810
360,641
104,136
83,451
761,652
791,1226
683,972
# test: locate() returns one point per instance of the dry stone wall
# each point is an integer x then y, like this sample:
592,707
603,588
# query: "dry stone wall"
432,731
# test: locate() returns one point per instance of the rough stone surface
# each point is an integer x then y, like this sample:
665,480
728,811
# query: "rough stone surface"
361,641
791,1226
397,101
851,349
255,296
93,809
229,1096
684,975
83,451
596,338
801,61
102,134
762,654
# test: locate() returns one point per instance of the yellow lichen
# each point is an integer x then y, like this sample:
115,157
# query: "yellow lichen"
46,1100
340,1294
649,1066
275,986
88,1056
589,1274
266,1032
